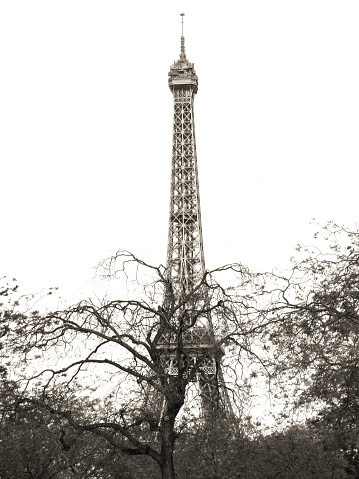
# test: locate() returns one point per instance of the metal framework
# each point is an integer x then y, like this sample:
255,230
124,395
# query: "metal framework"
185,257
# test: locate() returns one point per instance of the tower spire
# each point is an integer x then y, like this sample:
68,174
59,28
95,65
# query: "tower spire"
183,53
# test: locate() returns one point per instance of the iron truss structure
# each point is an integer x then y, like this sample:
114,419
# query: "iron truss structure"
185,258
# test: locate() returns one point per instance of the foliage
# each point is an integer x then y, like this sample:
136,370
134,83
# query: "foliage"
316,343
35,442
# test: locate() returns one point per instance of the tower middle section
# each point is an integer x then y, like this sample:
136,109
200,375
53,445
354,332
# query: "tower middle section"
185,257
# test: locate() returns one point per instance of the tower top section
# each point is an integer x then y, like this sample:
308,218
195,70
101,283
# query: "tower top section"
182,73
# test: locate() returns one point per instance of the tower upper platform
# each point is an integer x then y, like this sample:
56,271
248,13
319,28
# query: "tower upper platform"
182,73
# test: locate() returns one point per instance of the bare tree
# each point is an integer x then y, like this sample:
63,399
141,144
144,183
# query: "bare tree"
115,350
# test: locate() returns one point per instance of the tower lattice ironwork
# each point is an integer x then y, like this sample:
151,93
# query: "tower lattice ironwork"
185,257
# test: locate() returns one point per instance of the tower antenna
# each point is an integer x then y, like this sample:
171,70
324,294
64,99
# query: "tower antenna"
182,15
183,54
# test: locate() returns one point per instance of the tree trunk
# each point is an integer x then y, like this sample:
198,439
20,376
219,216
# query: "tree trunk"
167,467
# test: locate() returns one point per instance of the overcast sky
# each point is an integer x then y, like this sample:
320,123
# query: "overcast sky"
86,120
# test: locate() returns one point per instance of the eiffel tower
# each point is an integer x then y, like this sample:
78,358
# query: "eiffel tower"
185,267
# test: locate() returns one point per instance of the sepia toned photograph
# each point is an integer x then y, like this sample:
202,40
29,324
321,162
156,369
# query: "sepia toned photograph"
179,261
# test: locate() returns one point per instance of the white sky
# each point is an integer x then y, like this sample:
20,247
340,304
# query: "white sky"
86,120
